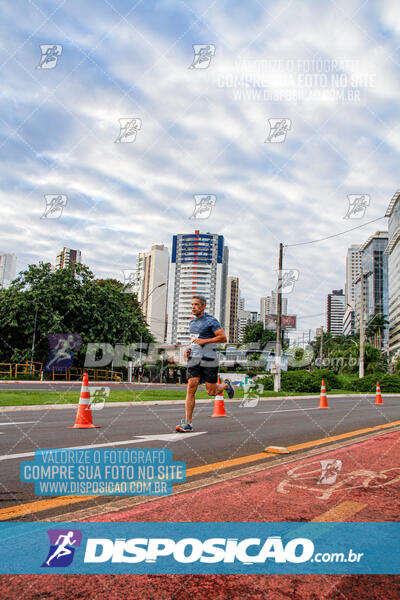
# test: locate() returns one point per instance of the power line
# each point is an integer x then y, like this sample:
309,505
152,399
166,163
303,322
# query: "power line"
334,235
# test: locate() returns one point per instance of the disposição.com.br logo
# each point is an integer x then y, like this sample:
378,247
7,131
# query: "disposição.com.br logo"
62,547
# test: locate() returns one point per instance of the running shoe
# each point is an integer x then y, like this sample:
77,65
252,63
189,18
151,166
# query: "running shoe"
184,427
230,390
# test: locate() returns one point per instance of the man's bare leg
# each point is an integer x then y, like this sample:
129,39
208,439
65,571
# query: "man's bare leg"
213,389
193,384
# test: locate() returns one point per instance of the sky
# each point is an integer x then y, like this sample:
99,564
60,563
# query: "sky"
327,71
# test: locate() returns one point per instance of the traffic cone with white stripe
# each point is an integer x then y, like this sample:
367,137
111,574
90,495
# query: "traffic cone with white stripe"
219,404
378,395
84,415
323,400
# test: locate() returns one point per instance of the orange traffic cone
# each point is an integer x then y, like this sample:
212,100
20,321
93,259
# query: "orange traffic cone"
84,415
378,395
219,405
323,400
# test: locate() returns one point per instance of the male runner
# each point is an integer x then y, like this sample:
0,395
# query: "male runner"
205,334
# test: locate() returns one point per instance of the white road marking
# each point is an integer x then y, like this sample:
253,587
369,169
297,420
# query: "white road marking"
165,408
264,412
17,423
163,437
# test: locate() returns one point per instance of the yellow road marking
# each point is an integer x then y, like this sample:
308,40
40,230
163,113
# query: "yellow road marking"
340,513
342,436
263,455
224,464
20,510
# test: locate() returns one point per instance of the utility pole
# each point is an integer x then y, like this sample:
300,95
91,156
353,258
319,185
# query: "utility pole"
277,374
361,362
321,348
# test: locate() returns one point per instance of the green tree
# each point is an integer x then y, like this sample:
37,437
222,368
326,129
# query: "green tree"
255,332
341,354
65,301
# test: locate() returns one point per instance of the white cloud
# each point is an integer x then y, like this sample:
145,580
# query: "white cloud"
197,138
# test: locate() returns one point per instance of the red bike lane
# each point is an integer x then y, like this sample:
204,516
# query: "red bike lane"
359,482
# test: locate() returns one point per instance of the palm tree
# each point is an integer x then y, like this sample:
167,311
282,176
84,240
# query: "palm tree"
374,328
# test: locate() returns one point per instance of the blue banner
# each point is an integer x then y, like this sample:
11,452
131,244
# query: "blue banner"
207,548
103,472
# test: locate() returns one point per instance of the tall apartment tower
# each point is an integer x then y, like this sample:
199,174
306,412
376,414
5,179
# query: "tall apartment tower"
393,253
8,269
199,265
67,258
232,309
353,264
335,312
152,270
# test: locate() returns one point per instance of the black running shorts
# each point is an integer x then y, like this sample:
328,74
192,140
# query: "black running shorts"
207,374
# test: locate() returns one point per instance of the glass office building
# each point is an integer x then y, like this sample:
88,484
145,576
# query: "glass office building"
375,268
393,253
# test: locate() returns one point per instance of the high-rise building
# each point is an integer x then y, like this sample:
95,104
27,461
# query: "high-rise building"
67,258
8,269
269,306
335,309
244,319
232,309
199,265
349,326
374,263
393,253
264,308
152,269
353,264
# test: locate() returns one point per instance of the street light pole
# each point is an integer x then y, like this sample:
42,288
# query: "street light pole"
34,338
321,350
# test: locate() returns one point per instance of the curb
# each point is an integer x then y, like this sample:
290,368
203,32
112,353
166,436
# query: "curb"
180,402
78,382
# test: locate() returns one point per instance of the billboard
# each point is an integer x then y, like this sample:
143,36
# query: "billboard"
287,321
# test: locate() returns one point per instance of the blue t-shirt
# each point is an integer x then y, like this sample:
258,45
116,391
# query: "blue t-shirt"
204,327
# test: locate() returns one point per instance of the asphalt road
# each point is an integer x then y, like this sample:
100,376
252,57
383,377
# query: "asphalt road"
246,431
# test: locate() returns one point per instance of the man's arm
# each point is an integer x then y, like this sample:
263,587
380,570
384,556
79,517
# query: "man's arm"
219,338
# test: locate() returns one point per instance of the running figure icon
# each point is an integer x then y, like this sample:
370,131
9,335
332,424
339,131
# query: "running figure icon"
62,350
62,547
